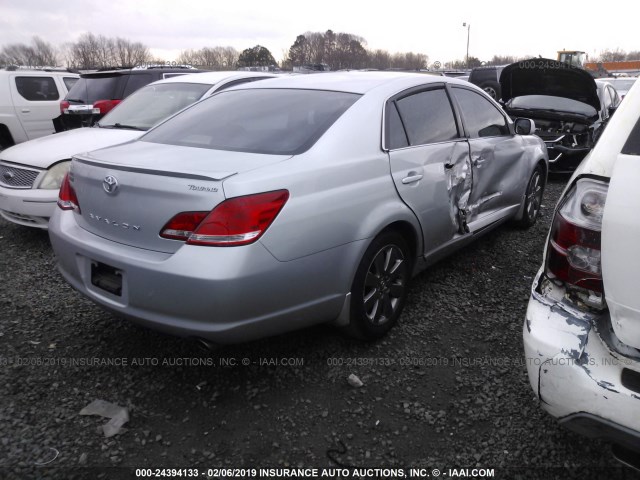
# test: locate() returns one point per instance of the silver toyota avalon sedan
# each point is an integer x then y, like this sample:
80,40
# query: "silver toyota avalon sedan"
311,198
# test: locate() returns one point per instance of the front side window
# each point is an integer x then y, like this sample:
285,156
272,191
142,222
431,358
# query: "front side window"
427,117
37,89
267,121
481,117
153,103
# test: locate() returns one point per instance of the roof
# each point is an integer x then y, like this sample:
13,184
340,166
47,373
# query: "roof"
354,81
214,77
137,71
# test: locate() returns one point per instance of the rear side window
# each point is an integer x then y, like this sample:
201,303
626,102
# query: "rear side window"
481,117
632,146
269,121
37,88
396,136
69,82
136,82
427,117
90,89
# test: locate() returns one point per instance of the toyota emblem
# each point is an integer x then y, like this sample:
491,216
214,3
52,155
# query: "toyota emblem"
110,184
8,176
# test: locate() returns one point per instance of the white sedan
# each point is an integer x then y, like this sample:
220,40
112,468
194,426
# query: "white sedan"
31,172
582,327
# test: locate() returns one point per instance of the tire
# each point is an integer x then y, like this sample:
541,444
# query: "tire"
380,287
532,199
493,89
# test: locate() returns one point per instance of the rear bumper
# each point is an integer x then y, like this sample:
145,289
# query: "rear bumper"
30,207
577,376
225,295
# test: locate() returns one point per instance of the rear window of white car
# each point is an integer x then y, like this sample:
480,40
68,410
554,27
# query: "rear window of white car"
153,103
268,121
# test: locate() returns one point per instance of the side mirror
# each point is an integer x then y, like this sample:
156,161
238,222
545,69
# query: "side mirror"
524,126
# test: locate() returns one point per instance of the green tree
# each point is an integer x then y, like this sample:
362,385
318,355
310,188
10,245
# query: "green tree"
257,56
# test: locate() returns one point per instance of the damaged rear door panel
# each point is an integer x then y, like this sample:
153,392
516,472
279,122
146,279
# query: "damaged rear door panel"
430,163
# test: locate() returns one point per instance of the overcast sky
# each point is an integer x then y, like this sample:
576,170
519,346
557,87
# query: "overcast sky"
433,28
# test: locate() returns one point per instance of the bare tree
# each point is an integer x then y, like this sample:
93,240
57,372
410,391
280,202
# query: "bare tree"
128,53
98,51
616,55
38,54
211,58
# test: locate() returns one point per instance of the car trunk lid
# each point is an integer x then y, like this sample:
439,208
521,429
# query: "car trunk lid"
128,193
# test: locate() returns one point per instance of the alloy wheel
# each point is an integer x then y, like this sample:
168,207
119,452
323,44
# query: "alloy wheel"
384,285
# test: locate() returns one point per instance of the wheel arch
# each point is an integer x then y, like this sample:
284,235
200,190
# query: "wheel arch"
6,139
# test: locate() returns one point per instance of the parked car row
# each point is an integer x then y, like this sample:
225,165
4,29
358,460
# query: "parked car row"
96,93
257,206
31,173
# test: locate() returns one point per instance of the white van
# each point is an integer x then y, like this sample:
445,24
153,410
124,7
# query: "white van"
29,101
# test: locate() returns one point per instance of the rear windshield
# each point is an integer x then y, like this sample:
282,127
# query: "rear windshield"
88,90
558,104
153,103
269,121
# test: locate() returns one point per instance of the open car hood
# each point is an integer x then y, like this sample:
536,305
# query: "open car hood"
542,76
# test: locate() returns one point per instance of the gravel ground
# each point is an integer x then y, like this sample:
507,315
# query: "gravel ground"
445,410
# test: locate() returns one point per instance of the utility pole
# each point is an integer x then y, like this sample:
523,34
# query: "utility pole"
464,24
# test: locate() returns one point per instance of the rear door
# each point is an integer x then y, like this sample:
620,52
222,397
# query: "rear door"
36,99
620,236
496,158
429,161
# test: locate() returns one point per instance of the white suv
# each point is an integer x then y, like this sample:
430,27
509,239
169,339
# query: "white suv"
582,327
29,101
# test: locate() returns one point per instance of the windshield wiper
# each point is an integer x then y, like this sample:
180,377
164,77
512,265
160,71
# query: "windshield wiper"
74,100
123,126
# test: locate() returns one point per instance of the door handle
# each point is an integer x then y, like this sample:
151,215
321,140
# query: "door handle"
25,110
478,161
412,178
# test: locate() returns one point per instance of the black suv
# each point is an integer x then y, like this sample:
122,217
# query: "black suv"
96,93
487,78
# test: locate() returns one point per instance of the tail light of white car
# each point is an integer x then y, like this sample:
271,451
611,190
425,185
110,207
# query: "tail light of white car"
236,221
574,253
67,198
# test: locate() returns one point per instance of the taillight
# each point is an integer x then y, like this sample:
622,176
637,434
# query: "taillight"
64,106
67,198
104,106
182,225
236,221
573,253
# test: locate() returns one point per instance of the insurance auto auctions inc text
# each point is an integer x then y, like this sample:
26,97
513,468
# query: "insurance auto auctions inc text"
366,473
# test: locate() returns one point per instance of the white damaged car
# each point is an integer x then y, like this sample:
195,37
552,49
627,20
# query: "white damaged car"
31,172
582,327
